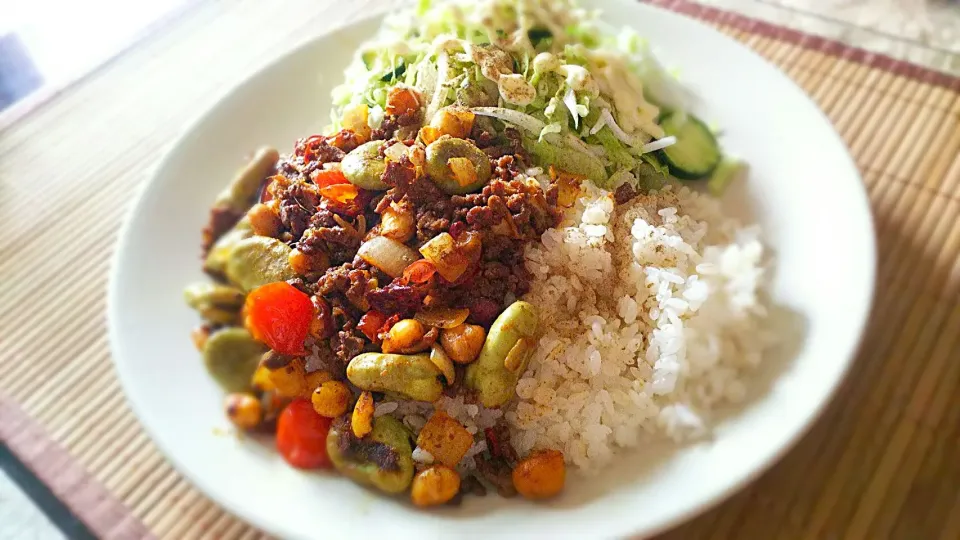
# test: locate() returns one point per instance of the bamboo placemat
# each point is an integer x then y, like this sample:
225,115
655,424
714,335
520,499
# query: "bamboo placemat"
883,462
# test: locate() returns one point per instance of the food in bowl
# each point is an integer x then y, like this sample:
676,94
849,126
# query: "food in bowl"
485,271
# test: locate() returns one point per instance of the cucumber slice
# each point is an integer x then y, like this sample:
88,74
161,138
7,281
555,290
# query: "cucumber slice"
696,153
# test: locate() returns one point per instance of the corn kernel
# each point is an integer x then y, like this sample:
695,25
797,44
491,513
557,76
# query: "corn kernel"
261,380
331,399
434,486
361,422
289,380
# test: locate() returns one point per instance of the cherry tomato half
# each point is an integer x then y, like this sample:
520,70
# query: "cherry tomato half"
279,315
302,436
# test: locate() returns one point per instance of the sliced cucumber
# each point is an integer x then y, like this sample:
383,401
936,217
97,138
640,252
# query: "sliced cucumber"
696,153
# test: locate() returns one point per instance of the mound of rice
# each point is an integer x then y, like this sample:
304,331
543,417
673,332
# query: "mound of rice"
650,318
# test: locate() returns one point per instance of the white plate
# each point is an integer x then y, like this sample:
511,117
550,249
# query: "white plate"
803,188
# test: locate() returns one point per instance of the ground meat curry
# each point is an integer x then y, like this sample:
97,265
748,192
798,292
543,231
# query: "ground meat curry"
378,263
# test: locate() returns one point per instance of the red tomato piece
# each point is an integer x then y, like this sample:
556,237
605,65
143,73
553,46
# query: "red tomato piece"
279,315
370,324
341,193
329,178
419,272
302,436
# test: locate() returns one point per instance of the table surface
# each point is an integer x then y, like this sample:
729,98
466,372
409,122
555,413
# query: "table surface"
27,512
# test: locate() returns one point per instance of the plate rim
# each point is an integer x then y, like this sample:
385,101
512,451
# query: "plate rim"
124,239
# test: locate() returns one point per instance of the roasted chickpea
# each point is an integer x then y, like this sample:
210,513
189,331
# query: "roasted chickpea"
434,486
463,343
541,475
263,220
403,335
331,399
243,410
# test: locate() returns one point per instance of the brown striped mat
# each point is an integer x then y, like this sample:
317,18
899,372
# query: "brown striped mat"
884,462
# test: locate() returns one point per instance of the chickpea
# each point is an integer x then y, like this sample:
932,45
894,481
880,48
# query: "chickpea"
541,475
331,399
361,421
303,264
435,486
243,410
403,335
263,220
463,343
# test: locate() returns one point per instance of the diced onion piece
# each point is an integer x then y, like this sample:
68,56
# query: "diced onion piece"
450,260
387,255
517,118
355,119
658,144
443,317
396,151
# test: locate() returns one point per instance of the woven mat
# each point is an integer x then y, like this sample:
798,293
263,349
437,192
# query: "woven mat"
883,462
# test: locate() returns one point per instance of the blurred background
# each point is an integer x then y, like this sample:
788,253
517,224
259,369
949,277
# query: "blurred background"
47,45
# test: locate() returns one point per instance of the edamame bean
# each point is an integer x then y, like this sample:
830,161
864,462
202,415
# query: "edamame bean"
257,261
216,303
364,166
412,376
441,151
245,185
231,356
216,261
505,354
383,459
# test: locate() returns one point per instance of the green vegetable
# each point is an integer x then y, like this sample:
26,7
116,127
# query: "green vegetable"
440,152
364,167
567,160
383,459
616,150
257,261
505,354
245,186
216,261
412,376
395,73
696,153
231,356
219,304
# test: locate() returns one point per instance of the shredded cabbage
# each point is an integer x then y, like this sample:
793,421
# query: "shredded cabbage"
586,98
